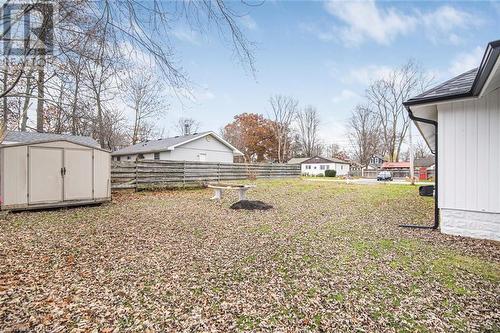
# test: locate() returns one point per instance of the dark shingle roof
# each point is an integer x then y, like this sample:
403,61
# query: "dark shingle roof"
320,159
425,161
459,85
158,145
467,84
33,137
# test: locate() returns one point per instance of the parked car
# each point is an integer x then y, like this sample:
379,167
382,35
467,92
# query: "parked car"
384,176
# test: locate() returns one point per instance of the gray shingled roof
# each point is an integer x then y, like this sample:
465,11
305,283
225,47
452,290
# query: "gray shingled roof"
300,160
425,161
157,145
32,137
458,85
297,160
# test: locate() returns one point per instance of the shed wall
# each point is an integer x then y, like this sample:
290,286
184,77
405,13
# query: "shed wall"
14,175
102,174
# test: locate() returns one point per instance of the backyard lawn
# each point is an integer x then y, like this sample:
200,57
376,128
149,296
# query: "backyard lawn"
328,256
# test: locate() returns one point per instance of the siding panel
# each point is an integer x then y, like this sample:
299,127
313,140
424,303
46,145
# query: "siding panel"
469,154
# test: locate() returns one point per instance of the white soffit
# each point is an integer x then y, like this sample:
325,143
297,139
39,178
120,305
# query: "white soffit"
428,131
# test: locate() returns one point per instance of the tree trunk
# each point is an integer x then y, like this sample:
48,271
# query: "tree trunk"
40,95
27,92
100,121
73,108
5,106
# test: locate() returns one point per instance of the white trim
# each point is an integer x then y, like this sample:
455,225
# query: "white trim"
494,70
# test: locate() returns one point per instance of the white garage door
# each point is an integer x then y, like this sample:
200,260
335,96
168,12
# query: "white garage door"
45,178
78,177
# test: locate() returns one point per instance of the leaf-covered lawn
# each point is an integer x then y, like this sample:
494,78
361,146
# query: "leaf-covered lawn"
329,256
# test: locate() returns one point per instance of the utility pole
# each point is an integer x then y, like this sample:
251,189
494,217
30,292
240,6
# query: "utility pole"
412,167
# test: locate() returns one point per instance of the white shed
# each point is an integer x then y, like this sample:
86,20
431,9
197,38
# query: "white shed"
41,171
460,120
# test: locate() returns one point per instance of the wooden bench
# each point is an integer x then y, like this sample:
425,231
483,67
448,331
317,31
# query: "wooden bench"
219,189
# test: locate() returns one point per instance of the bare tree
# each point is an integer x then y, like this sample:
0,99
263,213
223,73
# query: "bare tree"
283,111
386,97
144,95
185,126
421,150
308,127
363,132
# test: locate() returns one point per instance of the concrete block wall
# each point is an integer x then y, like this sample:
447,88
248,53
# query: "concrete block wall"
473,224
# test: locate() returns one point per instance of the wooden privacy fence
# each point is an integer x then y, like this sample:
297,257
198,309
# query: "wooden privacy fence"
154,173
394,173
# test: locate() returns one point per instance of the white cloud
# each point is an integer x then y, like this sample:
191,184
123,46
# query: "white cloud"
466,61
249,22
187,35
365,75
364,20
442,24
204,95
344,95
361,21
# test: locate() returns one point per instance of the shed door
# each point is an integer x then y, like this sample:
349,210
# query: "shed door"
45,178
78,177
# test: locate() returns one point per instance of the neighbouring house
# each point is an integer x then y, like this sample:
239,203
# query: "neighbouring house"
375,162
424,167
41,170
317,165
204,147
460,121
355,166
395,166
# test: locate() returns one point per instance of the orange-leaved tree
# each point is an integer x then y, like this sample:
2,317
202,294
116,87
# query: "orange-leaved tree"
253,135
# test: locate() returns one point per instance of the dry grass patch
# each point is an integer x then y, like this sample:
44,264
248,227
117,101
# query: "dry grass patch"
328,256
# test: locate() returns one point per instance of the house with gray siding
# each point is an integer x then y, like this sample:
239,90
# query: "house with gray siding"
460,121
204,147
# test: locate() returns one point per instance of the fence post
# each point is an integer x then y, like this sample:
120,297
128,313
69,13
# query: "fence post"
136,176
184,174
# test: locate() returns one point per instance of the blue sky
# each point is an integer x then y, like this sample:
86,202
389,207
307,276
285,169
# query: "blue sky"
325,54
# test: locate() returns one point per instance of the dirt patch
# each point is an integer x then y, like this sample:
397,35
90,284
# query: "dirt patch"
251,205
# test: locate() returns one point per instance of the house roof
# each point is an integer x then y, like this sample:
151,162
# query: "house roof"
396,165
297,160
471,84
170,144
458,85
467,84
424,162
316,159
33,137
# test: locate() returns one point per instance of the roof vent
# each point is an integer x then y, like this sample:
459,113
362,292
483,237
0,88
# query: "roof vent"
195,133
176,136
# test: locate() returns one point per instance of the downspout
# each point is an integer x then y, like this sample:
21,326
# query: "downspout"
436,208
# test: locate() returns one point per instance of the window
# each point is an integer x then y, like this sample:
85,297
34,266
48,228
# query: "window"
118,158
128,157
327,167
308,167
341,167
202,157
157,156
314,167
322,167
140,156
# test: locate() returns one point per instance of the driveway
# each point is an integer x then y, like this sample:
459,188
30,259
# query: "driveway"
367,181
